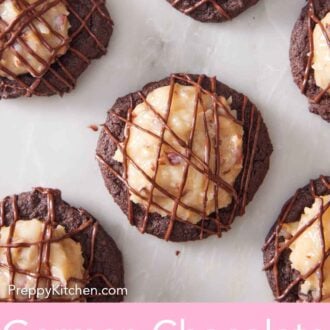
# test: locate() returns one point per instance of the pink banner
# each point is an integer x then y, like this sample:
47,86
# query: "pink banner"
164,317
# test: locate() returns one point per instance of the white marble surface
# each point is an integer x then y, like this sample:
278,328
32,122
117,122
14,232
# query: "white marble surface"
46,141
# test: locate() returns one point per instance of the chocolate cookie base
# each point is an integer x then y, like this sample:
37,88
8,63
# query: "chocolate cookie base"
299,50
255,133
90,32
212,11
292,211
104,256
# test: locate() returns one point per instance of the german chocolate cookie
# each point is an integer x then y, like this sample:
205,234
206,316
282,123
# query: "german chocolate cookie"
212,10
45,243
310,55
45,45
297,248
184,156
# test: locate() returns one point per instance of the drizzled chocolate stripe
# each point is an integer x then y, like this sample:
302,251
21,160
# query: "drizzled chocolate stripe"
250,120
280,247
32,13
162,138
312,21
188,10
43,271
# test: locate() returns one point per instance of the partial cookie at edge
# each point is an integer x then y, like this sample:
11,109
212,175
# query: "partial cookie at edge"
91,29
212,10
106,259
291,212
299,56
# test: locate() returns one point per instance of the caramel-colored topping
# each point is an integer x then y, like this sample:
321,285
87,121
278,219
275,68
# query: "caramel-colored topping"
307,248
40,41
321,60
180,172
65,258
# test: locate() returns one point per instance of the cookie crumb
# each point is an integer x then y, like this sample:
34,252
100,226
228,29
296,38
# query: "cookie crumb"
177,253
93,127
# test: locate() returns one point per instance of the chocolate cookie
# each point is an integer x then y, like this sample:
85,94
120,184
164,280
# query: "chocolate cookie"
46,45
296,251
212,10
309,54
184,156
46,243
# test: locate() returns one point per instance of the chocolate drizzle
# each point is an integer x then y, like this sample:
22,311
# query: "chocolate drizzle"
210,224
312,21
217,7
43,270
212,10
57,76
279,247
